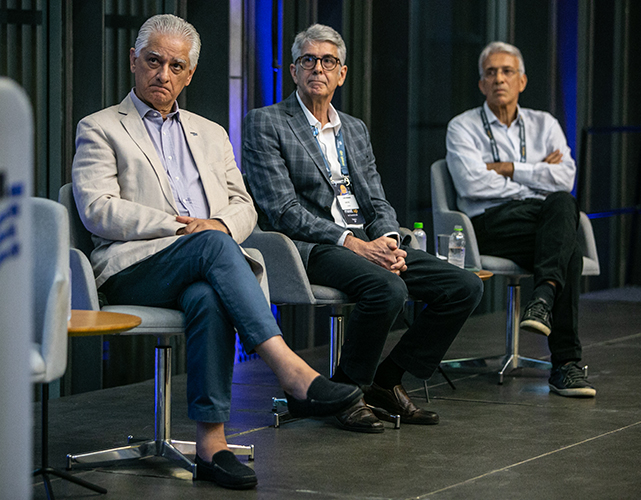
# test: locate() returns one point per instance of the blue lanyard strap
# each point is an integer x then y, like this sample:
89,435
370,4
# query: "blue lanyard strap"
490,135
340,148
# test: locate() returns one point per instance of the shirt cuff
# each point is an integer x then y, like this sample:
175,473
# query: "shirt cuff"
341,240
395,235
523,173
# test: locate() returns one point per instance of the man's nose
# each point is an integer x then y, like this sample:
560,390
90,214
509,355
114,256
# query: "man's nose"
318,66
163,73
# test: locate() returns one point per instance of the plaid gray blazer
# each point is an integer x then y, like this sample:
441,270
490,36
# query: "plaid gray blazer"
289,182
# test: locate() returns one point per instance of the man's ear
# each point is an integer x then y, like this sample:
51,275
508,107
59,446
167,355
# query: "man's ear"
132,59
522,83
292,71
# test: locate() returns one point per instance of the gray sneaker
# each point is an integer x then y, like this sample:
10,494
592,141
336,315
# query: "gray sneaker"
572,381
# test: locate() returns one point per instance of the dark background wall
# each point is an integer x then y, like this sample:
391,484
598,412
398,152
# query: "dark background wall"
412,67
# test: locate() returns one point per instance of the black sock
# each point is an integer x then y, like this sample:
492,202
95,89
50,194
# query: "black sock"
340,377
388,374
545,291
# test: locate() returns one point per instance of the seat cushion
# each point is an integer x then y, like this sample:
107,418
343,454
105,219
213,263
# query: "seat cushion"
325,295
501,266
155,320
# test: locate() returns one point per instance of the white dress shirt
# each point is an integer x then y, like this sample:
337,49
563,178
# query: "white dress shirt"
469,150
327,140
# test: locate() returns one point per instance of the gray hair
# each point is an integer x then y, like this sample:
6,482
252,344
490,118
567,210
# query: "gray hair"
319,33
494,47
168,24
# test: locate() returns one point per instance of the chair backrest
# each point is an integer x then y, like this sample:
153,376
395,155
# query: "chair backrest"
80,238
443,191
51,287
445,214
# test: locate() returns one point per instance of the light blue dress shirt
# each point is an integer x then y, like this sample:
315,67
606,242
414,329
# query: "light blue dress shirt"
469,150
168,137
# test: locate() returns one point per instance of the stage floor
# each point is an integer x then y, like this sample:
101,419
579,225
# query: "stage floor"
514,440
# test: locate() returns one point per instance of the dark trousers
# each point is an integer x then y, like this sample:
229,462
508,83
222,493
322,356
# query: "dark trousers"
541,236
206,276
451,294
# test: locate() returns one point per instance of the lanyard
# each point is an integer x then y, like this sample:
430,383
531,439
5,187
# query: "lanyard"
342,155
495,149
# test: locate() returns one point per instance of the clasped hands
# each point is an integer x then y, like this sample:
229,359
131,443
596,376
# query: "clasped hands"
383,251
194,225
506,168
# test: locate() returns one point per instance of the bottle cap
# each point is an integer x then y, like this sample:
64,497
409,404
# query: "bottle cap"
458,228
418,225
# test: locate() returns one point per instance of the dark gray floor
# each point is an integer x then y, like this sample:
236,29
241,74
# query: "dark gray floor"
511,441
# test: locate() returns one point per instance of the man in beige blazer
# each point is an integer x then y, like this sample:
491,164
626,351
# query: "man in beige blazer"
159,190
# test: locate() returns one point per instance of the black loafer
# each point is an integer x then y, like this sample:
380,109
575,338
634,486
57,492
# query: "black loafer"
324,398
397,402
359,418
225,470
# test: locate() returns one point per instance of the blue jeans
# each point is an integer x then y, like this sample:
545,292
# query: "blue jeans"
206,276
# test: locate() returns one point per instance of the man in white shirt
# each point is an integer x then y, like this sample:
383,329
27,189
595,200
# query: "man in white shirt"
513,175
312,172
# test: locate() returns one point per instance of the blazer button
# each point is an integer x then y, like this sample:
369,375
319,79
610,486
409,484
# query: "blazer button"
327,209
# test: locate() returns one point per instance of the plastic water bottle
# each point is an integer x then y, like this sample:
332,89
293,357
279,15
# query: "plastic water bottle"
456,253
420,236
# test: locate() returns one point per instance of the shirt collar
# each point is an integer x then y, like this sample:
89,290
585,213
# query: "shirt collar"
334,119
144,109
491,117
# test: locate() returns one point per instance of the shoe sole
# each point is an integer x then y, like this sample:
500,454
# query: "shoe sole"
364,430
535,327
383,414
584,392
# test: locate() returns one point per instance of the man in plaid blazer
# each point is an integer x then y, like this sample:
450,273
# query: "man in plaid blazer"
312,172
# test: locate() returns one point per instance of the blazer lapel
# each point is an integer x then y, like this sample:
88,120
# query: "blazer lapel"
134,126
302,130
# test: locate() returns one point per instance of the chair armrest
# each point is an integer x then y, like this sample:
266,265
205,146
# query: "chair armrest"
403,231
588,247
83,285
288,282
444,222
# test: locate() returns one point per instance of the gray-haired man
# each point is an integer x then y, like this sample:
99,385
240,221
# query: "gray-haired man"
159,189
513,174
311,170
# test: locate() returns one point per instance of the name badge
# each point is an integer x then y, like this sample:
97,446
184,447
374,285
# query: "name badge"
349,206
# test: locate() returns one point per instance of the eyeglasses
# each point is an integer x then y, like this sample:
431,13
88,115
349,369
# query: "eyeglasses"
327,62
491,73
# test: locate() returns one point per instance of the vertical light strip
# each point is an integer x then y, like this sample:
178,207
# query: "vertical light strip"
236,76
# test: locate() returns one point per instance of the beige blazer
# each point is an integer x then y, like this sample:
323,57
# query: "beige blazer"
123,194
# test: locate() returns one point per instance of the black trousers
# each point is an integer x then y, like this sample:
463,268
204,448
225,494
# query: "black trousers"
541,236
451,294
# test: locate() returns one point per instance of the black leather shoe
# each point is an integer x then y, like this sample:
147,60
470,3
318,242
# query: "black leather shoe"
397,402
359,418
225,470
324,398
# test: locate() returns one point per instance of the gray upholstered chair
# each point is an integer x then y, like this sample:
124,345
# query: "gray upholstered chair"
159,322
446,215
51,293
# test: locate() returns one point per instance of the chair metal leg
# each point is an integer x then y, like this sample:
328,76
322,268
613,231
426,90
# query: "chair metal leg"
44,470
336,339
162,445
511,359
